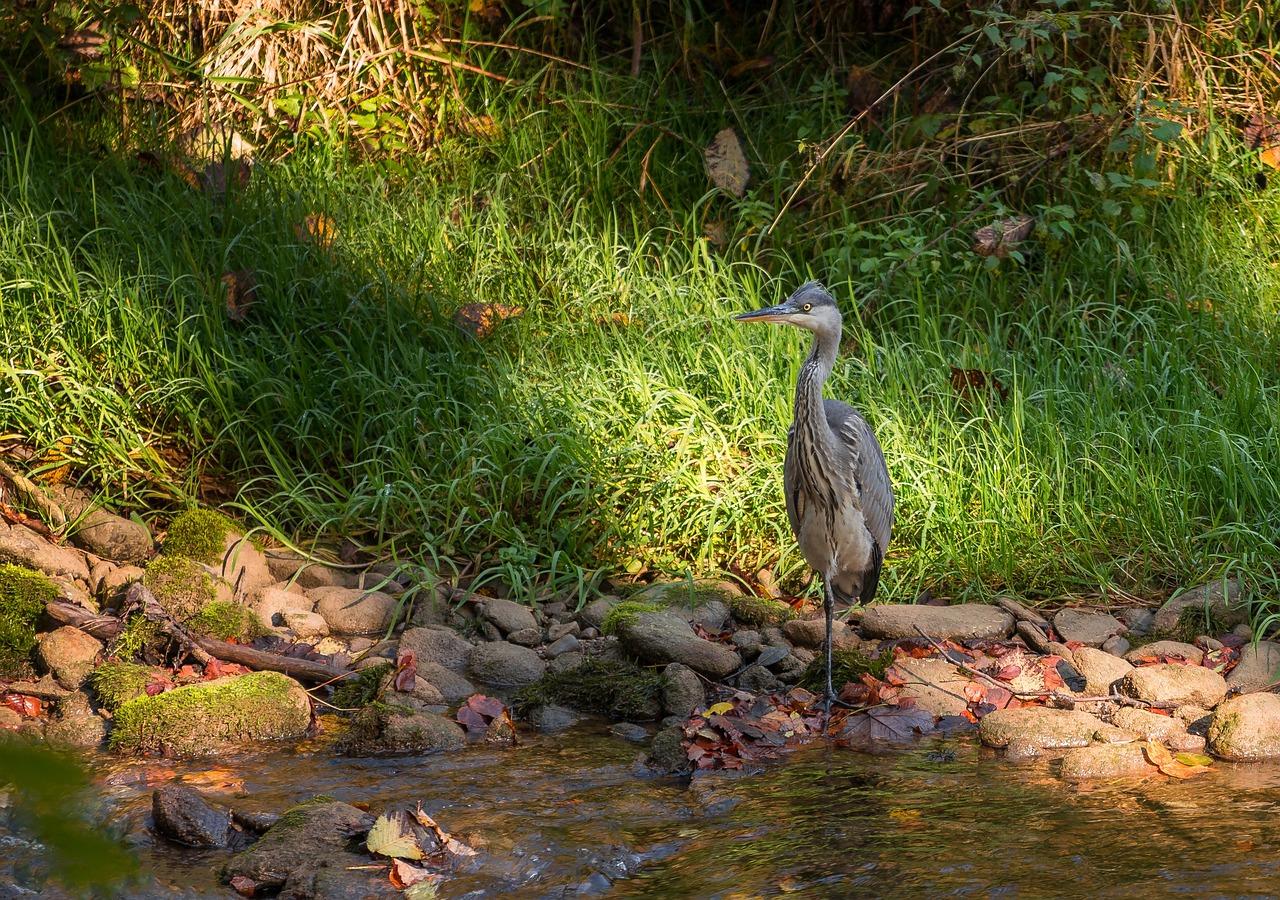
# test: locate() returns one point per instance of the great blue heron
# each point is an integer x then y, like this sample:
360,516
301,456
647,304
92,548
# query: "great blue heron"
839,498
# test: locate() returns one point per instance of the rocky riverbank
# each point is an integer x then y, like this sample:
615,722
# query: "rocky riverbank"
209,642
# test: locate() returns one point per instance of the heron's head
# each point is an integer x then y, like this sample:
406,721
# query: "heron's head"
810,307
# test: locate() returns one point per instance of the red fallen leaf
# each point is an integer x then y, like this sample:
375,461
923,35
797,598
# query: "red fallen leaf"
1073,645
718,637
473,721
486,706
1001,698
155,688
406,672
906,702
895,676
799,698
27,707
974,692
1008,673
244,885
1234,641
1052,680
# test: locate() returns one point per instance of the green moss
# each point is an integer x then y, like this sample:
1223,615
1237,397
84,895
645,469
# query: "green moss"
359,692
23,595
200,719
139,633
606,687
624,612
226,619
116,683
198,534
757,611
181,586
846,666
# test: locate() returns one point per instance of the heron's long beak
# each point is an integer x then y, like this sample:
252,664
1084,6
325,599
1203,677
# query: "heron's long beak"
778,313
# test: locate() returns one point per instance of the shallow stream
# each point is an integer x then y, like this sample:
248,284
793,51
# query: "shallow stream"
570,815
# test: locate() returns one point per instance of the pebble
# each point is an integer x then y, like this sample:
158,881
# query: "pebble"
566,644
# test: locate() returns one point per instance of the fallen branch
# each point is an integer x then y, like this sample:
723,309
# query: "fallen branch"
1036,639
1042,695
104,628
1022,613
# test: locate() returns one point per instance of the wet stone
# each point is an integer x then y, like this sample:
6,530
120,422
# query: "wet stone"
1174,683
682,691
1100,762
1246,728
1090,629
183,816
629,731
1039,727
551,718
308,837
967,621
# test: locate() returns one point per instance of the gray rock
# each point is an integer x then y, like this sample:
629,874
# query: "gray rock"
811,633
1190,652
115,579
1038,728
629,731
526,637
309,837
100,531
936,686
566,661
306,625
758,680
23,547
183,816
437,644
1195,718
747,638
1102,762
667,753
661,637
68,654
792,666
274,603
452,686
1137,619
1100,669
967,621
1223,600
1246,728
1090,629
352,611
592,615
555,632
1116,645
682,691
713,615
1257,669
552,718
566,644
508,615
1243,630
501,663
245,566
76,726
1174,683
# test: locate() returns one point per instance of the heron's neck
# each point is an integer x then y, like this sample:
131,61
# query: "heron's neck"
816,369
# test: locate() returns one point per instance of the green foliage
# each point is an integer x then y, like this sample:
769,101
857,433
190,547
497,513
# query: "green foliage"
48,788
226,620
181,586
139,634
358,692
118,682
607,687
23,595
846,666
625,612
759,611
198,534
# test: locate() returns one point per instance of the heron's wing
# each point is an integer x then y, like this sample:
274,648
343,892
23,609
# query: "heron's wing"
790,486
869,471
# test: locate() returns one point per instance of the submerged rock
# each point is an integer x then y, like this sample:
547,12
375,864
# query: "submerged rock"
661,637
965,622
1105,761
1090,629
394,728
213,716
1246,728
182,815
1175,683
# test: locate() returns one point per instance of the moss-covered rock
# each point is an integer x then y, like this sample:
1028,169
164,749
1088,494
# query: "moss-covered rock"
624,612
117,682
198,534
227,620
607,687
205,718
314,836
393,728
758,611
139,638
23,595
181,586
846,666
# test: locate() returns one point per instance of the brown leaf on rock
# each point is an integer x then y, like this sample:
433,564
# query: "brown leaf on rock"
23,705
244,885
487,706
480,319
404,874
406,672
241,293
727,164
998,238
1157,754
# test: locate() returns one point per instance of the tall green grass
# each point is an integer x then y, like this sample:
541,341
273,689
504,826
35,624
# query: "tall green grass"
623,422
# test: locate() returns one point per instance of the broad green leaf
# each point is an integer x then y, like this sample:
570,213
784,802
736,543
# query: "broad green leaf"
1193,759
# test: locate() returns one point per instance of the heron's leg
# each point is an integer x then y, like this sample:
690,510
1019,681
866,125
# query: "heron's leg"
829,607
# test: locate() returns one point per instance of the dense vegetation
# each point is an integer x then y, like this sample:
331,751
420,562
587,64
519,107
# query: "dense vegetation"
622,421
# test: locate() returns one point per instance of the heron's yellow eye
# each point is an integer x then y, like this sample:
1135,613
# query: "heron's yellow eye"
807,307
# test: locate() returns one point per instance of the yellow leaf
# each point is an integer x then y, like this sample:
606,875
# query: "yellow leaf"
1193,759
1176,769
1158,754
1271,157
721,708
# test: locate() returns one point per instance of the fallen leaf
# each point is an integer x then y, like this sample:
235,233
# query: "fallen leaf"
876,725
244,885
392,836
1193,759
491,707
242,293
719,709
480,319
727,164
1176,769
406,672
1157,754
751,65
404,874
